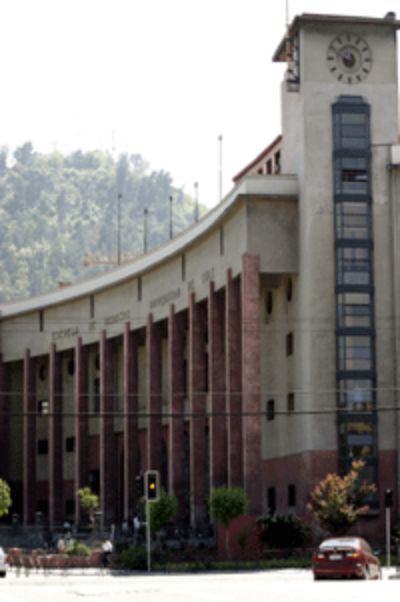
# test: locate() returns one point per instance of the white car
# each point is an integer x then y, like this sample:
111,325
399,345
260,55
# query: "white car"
3,563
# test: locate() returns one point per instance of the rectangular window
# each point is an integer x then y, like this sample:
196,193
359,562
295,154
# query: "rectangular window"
269,166
354,310
290,403
277,158
355,352
139,288
291,496
70,444
356,394
353,265
42,447
289,344
352,221
270,409
271,499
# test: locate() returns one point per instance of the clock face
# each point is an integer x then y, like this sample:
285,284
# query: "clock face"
349,58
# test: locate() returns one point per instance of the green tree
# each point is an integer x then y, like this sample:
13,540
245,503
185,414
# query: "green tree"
162,511
337,502
226,504
89,502
5,497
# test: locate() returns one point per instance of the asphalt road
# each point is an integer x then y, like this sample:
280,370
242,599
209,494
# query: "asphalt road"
271,586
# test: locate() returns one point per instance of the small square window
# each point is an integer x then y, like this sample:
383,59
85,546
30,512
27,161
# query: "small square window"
42,447
70,444
289,344
290,403
270,409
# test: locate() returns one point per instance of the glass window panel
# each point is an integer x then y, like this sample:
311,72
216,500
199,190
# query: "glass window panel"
353,118
353,142
356,394
352,221
355,352
354,130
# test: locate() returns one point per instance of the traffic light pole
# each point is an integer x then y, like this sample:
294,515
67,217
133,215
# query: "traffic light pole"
388,537
148,536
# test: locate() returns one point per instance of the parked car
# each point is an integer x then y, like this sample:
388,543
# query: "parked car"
345,557
3,563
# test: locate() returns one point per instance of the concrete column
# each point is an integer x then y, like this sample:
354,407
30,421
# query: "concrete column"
197,407
56,501
29,440
176,397
108,477
233,381
216,379
154,395
130,436
251,380
4,421
81,423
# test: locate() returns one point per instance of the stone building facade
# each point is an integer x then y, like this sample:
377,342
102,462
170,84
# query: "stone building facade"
257,349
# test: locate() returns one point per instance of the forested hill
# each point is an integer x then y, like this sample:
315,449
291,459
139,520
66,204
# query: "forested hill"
56,209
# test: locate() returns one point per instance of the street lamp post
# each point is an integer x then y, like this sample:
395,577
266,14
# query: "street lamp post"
145,228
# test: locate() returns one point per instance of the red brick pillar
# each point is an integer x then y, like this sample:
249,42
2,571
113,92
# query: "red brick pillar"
199,485
154,395
251,380
29,440
216,379
4,421
233,343
176,396
81,423
108,476
56,501
130,443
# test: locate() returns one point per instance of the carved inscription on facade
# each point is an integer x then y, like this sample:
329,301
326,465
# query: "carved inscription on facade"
166,298
121,316
65,333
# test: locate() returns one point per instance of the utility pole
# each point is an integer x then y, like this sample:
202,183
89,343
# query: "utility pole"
119,229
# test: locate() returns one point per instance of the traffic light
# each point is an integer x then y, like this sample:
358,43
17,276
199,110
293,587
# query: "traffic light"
139,486
388,498
152,485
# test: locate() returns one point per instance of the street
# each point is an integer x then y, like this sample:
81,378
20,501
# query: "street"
282,586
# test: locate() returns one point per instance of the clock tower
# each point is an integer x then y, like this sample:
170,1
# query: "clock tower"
339,121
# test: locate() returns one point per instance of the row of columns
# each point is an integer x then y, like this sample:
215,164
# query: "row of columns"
230,453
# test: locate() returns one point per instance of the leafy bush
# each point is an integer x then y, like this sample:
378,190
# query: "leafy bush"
5,497
77,549
337,502
133,558
280,531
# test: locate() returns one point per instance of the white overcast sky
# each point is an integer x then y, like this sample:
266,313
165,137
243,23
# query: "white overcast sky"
166,76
